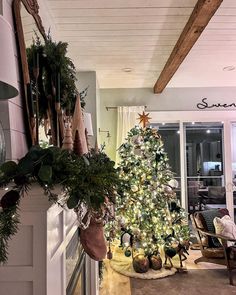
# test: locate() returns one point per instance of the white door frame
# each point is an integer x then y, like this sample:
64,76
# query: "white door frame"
226,117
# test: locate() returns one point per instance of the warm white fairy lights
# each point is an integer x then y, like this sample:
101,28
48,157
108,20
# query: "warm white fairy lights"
146,200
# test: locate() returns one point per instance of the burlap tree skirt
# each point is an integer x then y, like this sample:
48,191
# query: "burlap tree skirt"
123,265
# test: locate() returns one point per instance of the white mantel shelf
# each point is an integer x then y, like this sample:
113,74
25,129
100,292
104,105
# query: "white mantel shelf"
36,264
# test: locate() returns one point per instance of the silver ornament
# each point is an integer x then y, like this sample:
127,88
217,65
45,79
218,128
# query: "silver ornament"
173,183
126,239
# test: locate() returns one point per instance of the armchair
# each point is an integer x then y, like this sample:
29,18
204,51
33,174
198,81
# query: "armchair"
211,249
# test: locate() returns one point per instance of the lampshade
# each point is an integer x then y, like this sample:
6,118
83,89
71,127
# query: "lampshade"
8,79
88,123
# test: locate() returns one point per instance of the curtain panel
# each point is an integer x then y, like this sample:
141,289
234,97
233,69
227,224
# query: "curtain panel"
127,118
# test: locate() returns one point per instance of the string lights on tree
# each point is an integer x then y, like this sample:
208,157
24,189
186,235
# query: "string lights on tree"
147,207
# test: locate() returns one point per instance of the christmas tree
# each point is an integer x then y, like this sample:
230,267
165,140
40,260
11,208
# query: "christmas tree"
148,211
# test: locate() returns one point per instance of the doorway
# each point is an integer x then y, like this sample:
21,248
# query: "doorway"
214,155
204,165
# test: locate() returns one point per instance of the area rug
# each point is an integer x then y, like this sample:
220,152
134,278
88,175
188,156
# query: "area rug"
123,265
194,282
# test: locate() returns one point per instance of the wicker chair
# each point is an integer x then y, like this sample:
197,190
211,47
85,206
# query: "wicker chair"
212,250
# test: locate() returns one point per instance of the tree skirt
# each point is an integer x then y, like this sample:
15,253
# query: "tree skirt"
123,265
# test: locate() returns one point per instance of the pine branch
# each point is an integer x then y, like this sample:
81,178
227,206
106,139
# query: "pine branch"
9,220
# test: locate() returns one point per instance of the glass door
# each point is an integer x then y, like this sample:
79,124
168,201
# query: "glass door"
204,166
170,136
233,136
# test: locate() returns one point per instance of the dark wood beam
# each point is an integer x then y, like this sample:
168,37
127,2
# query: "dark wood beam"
200,17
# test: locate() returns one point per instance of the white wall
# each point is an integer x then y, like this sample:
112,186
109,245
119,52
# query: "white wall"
88,79
172,99
11,111
98,103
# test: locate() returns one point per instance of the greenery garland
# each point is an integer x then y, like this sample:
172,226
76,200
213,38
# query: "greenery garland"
53,60
88,179
9,220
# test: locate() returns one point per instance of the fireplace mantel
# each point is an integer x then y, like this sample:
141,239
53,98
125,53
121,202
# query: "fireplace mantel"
36,264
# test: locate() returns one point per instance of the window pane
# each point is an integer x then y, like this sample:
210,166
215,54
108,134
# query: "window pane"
205,178
170,137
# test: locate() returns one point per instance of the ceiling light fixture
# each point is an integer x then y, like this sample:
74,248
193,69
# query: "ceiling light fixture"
229,68
127,70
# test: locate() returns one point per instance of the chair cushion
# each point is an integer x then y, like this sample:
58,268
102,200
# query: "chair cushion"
204,221
226,227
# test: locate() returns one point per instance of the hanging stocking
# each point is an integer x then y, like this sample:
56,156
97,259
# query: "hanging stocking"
93,240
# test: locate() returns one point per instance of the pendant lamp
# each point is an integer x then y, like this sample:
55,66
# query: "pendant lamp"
8,78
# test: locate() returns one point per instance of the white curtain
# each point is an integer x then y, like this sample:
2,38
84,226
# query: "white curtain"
127,118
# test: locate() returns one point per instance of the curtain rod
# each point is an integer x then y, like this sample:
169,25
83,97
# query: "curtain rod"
114,108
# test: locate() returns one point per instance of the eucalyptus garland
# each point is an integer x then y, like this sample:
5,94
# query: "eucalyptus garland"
88,179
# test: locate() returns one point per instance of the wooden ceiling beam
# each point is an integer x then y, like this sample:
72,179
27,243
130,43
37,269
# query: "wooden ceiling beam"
198,20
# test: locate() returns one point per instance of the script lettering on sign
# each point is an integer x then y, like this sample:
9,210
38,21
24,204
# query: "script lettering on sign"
205,105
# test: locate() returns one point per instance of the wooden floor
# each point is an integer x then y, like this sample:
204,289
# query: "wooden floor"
116,284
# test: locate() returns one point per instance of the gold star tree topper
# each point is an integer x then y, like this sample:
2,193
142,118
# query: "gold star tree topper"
144,119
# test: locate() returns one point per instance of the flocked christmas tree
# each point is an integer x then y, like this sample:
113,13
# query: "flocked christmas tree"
147,207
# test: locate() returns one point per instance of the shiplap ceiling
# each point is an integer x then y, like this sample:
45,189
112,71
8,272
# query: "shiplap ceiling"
29,27
108,36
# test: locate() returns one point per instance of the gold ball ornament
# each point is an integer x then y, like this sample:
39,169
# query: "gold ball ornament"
155,262
154,219
140,263
134,188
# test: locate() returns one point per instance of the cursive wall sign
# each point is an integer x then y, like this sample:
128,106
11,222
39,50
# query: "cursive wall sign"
204,105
